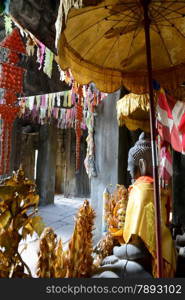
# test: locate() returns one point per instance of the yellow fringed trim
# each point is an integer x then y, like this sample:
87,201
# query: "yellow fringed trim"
134,124
133,111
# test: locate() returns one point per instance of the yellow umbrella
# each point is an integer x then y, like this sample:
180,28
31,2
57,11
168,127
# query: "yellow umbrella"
110,44
106,44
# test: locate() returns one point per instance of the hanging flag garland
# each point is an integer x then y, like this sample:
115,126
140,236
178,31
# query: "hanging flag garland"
72,109
85,98
48,62
30,47
80,102
11,82
40,54
8,24
45,56
42,108
88,97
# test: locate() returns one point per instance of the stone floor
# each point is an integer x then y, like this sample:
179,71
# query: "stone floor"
59,216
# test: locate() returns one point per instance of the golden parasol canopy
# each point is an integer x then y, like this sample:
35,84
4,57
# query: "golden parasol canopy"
105,44
133,111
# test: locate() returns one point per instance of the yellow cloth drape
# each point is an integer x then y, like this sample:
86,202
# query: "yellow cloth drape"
133,111
140,221
134,124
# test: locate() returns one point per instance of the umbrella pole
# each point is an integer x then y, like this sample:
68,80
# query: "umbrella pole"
145,4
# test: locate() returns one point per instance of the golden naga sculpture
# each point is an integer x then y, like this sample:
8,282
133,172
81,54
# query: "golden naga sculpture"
18,207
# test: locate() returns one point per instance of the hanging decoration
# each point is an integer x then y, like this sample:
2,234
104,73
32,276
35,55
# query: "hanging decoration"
89,161
62,73
48,62
11,81
8,114
45,56
87,96
30,47
3,55
63,10
8,24
72,109
78,130
84,98
41,108
92,99
40,54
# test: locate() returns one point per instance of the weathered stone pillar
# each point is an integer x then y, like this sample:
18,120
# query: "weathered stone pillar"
106,145
15,158
46,164
60,162
123,148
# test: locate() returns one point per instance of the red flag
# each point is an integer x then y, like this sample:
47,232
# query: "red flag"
171,121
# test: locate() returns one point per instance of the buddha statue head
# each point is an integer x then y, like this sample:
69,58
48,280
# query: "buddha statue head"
140,158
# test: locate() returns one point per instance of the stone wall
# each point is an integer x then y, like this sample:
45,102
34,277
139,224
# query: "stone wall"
60,162
37,16
106,145
127,139
46,163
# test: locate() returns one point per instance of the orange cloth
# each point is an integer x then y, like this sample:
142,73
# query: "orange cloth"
140,221
118,234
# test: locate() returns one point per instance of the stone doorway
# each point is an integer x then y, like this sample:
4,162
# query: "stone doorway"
67,181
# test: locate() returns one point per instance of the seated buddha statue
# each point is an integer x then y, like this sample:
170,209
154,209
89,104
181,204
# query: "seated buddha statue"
136,255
